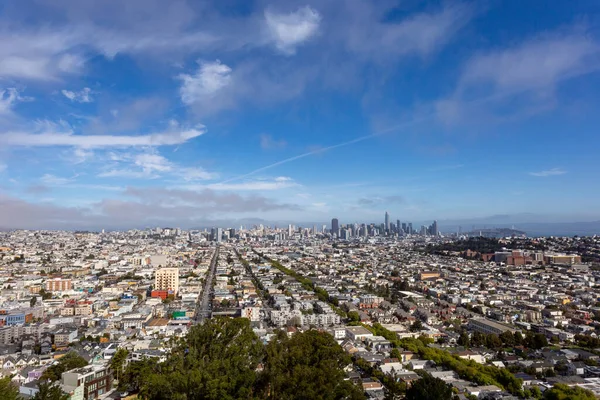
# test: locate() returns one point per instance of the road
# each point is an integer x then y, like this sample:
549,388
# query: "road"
203,309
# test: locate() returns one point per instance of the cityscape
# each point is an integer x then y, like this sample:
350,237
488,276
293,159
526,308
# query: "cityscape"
299,200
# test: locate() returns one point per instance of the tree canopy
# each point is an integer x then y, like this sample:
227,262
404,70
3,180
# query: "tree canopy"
224,359
429,388
8,391
48,391
564,392
65,363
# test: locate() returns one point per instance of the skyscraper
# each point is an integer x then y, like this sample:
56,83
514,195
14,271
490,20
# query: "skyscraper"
398,227
434,229
410,228
335,227
387,221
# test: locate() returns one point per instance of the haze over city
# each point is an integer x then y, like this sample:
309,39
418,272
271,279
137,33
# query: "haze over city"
197,114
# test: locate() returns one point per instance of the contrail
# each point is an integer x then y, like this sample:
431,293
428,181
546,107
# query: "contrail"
323,150
483,100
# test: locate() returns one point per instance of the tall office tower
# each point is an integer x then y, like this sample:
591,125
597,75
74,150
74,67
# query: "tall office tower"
410,228
387,221
404,228
290,230
231,232
324,229
213,234
314,230
434,229
219,235
167,279
335,227
398,227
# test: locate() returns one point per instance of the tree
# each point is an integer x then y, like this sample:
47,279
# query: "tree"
48,391
416,326
67,362
353,316
221,359
32,301
8,391
310,365
507,338
117,362
564,392
493,341
463,339
518,336
429,388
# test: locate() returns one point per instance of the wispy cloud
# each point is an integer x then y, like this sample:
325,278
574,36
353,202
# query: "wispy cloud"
82,96
519,81
67,137
549,172
268,143
8,99
288,31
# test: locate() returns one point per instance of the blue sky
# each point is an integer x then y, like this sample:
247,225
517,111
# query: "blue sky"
191,113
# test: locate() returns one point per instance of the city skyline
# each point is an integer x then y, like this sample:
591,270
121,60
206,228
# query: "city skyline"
453,111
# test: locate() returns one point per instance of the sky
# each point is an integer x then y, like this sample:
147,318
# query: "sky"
138,113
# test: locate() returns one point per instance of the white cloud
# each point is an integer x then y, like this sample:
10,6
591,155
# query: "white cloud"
268,143
549,172
288,31
521,80
195,174
153,162
66,137
3,167
8,98
151,166
81,155
127,173
537,63
210,78
282,182
53,180
365,32
83,96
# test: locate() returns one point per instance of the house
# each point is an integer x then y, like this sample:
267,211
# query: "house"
96,380
576,368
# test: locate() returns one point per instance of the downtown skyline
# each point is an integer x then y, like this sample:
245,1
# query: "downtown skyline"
205,114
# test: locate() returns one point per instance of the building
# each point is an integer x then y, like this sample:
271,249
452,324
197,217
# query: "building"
487,326
335,227
58,285
167,279
96,380
387,222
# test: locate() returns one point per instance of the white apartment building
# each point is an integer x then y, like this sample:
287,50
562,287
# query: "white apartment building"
167,279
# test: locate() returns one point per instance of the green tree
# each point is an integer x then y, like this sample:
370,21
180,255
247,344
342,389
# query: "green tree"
308,365
507,338
48,391
353,316
65,363
463,339
32,301
493,341
117,362
564,392
217,360
416,326
429,388
8,391
518,338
